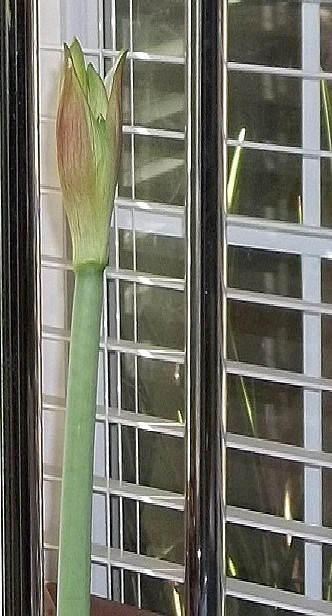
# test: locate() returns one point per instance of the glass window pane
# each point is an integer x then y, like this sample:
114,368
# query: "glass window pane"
159,314
128,390
127,310
326,279
265,335
126,260
161,462
162,533
265,558
326,25
266,484
131,588
327,572
160,317
282,177
162,597
160,254
277,27
125,173
327,501
267,106
326,189
161,389
159,170
159,95
264,271
157,458
327,420
326,346
157,29
238,607
264,409
269,185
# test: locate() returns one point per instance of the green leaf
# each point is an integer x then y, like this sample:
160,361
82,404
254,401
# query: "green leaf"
115,70
114,111
327,108
100,144
77,58
97,96
234,172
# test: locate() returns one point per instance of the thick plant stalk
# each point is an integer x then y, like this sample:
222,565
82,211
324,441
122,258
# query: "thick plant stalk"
76,499
89,137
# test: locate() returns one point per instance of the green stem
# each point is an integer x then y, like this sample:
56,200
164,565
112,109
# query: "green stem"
76,497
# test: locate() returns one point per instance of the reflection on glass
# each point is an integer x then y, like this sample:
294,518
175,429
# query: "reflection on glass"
265,410
264,271
160,458
326,266
238,607
161,529
326,346
158,391
326,144
128,387
125,174
130,588
327,572
159,95
269,185
327,420
159,596
153,170
162,461
155,254
327,503
266,484
326,25
265,335
160,317
161,389
121,25
129,523
162,533
127,310
159,170
126,260
168,597
265,558
157,28
113,379
268,106
326,192
277,27
159,313
115,575
160,254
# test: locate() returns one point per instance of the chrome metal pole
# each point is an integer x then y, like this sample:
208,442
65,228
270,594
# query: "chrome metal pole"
20,418
205,394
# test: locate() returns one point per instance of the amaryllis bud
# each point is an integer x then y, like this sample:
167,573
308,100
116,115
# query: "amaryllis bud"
89,138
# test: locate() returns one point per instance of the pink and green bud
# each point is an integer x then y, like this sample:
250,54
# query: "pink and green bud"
89,140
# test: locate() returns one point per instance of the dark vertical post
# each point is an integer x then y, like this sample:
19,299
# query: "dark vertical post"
21,568
205,553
